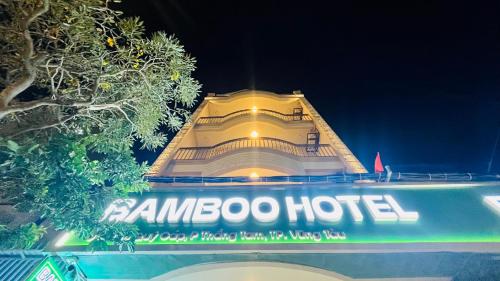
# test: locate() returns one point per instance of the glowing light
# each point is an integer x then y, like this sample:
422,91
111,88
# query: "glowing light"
254,109
493,202
62,241
254,134
254,175
382,208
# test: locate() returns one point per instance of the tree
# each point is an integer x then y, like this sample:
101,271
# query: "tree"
79,84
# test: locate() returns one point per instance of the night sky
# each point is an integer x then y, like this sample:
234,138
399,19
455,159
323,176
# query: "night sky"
418,81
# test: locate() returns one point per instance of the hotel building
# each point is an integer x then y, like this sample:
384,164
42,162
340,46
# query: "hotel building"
258,187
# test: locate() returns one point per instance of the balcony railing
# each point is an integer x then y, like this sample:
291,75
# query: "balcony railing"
212,120
369,179
299,150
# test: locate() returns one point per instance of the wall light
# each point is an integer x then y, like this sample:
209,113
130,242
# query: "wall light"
254,134
254,109
254,175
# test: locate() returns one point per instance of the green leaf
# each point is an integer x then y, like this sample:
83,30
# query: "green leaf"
12,146
33,148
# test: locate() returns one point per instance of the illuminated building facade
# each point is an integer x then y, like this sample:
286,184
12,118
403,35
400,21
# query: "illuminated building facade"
258,187
256,133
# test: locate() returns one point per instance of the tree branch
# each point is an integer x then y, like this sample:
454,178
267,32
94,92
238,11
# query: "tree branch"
19,86
111,106
26,106
47,126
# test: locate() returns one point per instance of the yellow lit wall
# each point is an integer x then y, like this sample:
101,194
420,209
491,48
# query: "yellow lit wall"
244,162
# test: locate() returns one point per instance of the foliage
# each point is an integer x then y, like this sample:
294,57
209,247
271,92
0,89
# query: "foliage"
23,237
79,84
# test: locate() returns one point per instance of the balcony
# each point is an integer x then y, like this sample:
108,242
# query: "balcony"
264,143
215,120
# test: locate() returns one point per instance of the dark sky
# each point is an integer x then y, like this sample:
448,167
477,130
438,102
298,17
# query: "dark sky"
418,81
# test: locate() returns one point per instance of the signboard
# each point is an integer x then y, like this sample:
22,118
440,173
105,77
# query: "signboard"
47,270
309,214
